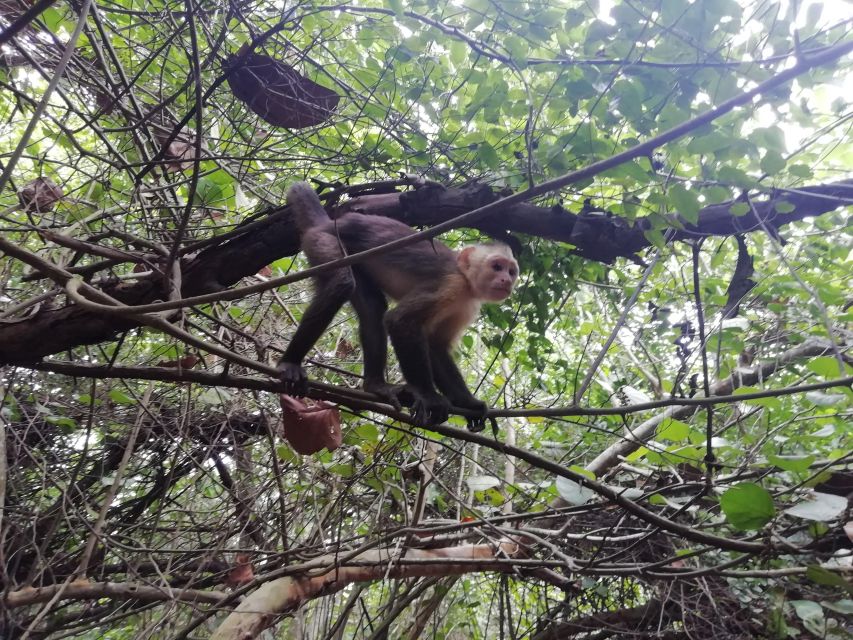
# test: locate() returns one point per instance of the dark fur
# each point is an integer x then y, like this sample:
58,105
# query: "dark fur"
417,276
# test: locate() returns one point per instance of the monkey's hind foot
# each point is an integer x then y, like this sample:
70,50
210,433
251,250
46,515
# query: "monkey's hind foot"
478,422
428,411
397,395
294,379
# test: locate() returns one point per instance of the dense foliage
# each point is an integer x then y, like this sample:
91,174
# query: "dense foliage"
146,484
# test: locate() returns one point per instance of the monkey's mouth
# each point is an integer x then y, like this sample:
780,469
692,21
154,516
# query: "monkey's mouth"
503,292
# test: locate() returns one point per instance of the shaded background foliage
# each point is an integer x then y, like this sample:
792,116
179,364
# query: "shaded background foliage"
156,489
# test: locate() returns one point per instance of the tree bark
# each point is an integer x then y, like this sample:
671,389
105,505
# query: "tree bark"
219,266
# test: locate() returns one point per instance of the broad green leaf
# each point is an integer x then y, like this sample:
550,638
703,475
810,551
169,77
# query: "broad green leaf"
673,430
488,155
119,397
822,507
584,472
844,607
826,399
796,464
685,202
747,506
820,575
826,367
768,402
572,492
772,162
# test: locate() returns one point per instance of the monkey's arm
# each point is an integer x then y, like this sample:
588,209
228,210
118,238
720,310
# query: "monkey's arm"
332,291
450,382
405,326
370,305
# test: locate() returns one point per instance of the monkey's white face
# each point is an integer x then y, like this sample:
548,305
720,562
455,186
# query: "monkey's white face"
491,270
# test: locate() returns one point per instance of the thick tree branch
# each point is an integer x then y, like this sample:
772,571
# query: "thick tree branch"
260,609
216,268
598,237
85,590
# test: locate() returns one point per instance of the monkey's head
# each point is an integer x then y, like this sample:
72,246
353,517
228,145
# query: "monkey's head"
491,270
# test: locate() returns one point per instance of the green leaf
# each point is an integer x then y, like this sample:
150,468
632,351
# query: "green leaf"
217,190
685,202
673,430
396,6
772,162
54,19
770,138
120,398
736,177
826,399
655,237
709,143
739,209
818,574
769,402
68,424
284,452
822,507
518,48
572,492
844,607
488,155
458,52
747,506
811,613
795,464
584,472
826,367
800,171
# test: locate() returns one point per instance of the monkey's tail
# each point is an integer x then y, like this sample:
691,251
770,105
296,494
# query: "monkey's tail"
306,207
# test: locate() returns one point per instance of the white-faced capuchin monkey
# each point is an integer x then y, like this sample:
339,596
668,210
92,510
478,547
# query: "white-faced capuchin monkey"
438,294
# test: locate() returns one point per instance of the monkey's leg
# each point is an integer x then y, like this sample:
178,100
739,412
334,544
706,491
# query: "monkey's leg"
450,382
332,290
405,326
370,305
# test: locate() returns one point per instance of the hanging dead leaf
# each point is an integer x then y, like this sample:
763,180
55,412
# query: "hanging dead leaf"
39,195
344,350
105,102
309,428
180,152
277,92
242,572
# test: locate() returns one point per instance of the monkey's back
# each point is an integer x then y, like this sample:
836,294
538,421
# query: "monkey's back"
400,271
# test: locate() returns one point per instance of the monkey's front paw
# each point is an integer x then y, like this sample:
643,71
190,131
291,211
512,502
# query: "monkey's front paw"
428,411
294,378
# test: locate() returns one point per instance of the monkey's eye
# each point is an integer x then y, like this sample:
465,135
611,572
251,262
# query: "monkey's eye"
497,267
512,272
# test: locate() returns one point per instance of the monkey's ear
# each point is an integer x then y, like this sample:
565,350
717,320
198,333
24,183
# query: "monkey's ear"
464,259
